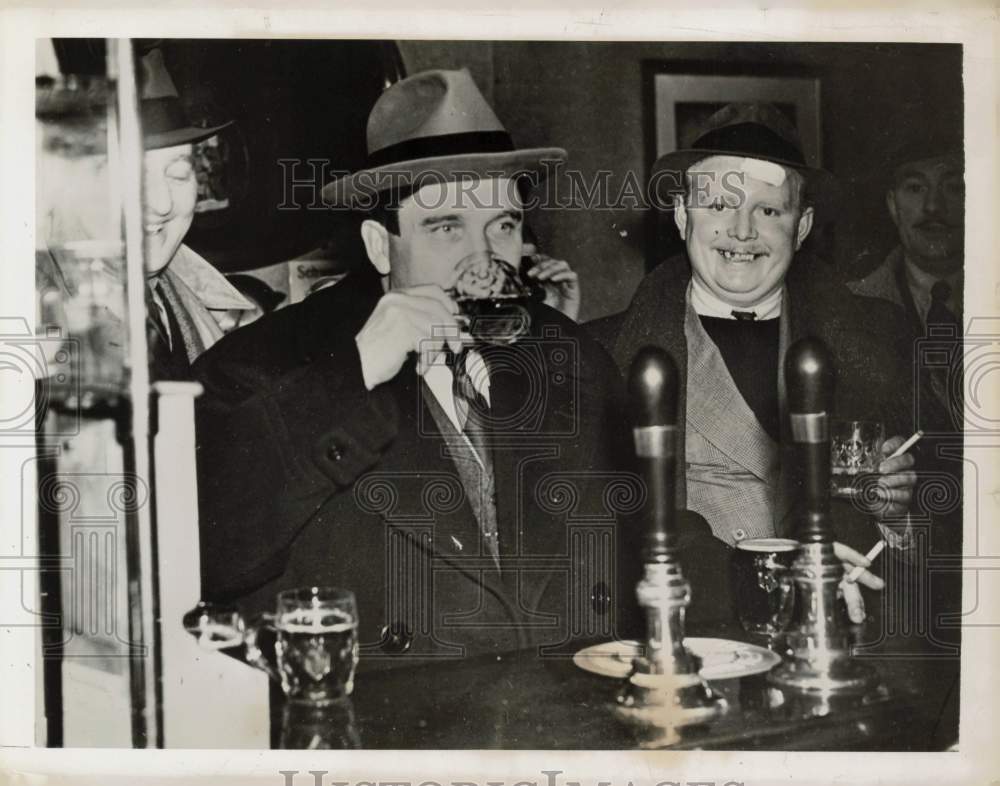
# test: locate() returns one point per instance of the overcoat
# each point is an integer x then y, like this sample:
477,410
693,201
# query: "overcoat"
307,478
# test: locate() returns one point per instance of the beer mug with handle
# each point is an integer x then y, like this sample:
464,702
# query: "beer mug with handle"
316,640
763,586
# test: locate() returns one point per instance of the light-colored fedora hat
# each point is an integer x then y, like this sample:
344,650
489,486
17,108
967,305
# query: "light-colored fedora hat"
434,126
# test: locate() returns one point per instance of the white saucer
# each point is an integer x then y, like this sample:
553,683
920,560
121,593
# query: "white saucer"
721,659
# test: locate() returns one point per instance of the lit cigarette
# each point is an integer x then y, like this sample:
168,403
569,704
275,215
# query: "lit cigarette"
872,554
906,445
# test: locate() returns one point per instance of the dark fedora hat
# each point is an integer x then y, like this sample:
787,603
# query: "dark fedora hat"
759,131
913,142
431,127
164,121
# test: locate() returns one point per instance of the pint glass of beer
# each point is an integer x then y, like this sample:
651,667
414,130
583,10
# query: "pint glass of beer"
316,643
763,586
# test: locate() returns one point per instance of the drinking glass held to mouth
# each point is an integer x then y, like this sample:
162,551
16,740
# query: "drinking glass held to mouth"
492,298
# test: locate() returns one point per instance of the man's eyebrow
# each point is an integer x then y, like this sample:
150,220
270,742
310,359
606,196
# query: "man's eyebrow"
434,220
517,215
910,174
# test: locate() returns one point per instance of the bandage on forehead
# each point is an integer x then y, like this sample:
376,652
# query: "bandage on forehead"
765,171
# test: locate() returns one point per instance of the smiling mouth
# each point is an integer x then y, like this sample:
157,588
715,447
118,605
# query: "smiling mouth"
153,229
738,256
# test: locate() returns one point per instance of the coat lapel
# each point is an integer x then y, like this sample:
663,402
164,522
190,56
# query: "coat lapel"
719,412
653,318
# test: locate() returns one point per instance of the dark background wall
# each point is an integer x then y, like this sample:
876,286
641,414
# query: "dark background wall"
589,98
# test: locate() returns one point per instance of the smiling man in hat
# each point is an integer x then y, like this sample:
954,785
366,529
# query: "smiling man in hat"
744,201
363,438
189,298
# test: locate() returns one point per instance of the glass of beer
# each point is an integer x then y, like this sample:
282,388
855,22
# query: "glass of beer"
316,643
764,590
492,298
855,454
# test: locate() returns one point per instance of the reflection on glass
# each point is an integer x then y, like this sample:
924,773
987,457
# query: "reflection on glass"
79,257
328,727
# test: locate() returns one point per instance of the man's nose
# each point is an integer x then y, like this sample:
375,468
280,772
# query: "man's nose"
156,193
480,242
742,226
934,203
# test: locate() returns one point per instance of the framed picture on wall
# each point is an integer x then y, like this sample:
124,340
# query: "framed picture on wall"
682,102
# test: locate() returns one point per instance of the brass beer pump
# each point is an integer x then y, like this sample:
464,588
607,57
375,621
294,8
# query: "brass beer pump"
664,691
818,660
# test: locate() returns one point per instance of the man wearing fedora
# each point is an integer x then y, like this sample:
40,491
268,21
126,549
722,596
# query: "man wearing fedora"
744,201
922,277
187,298
464,491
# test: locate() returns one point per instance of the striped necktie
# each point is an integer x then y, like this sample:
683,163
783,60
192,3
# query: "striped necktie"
474,417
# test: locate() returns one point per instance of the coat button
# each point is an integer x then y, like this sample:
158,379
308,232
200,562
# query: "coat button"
396,638
600,598
334,452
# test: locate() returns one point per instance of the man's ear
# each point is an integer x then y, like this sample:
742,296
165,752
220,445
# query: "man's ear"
680,215
805,227
376,239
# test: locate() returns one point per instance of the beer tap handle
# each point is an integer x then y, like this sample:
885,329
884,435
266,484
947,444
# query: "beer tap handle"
810,377
818,662
653,390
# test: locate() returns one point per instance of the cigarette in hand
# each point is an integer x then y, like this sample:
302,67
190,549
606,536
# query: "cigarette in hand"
872,554
906,445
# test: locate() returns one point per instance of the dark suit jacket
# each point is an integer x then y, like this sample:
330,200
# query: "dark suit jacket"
305,477
939,456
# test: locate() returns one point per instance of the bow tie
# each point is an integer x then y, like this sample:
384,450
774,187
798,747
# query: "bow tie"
744,316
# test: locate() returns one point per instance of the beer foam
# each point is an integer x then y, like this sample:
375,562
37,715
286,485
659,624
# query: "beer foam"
316,621
768,544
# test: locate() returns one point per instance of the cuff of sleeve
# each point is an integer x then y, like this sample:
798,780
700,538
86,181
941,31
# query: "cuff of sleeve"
897,538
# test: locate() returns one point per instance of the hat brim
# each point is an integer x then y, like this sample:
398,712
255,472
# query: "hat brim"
667,178
360,190
181,136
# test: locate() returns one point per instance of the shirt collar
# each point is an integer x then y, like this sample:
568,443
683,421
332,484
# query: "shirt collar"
708,304
212,288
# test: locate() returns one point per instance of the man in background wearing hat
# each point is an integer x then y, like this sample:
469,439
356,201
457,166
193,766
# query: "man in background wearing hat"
189,298
729,310
359,439
922,278
923,275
